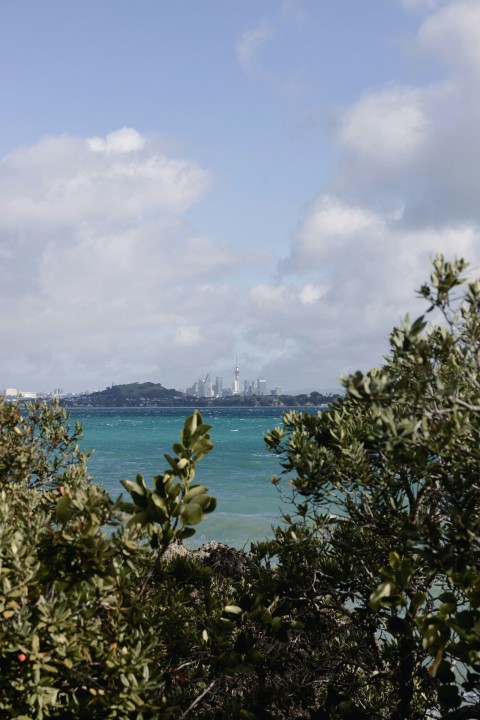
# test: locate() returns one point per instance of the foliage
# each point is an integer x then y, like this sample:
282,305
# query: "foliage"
131,394
86,630
171,509
386,525
98,624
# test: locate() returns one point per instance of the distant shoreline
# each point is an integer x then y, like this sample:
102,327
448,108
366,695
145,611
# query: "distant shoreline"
148,394
195,406
199,403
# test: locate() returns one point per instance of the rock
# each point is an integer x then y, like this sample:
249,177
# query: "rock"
222,559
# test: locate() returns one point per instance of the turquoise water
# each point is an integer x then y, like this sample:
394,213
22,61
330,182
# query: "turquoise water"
237,472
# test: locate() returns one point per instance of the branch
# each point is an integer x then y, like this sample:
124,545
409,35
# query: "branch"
469,406
197,700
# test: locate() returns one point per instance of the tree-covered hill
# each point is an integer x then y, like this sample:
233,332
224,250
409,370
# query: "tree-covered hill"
128,395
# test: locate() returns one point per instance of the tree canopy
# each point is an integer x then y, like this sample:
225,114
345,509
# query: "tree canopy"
386,487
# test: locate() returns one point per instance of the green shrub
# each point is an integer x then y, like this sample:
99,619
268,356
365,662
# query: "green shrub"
384,537
82,632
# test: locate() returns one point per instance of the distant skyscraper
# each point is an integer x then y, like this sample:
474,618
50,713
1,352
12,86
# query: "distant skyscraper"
262,386
200,388
207,388
218,387
236,382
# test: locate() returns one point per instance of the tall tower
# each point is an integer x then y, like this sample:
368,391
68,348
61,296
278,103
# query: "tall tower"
236,382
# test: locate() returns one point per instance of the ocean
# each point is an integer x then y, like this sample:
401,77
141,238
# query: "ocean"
237,472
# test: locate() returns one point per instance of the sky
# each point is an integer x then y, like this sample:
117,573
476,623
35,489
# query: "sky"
183,183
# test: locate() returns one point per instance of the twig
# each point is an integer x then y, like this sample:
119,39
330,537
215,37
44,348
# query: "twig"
197,700
469,406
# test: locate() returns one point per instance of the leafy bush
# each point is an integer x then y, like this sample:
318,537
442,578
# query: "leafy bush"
87,631
385,534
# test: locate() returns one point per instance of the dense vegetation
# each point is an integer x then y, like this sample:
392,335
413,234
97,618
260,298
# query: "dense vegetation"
127,395
366,603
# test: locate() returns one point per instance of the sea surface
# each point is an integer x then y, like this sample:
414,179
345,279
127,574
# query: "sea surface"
237,472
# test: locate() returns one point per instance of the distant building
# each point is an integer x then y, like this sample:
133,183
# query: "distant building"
207,388
257,387
203,388
192,390
262,386
236,382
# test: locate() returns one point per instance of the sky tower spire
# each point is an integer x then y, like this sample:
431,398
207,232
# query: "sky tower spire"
236,382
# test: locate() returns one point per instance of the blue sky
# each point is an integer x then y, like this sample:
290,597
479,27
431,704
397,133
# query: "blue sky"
183,181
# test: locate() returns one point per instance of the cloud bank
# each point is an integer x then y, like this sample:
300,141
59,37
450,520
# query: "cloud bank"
101,276
104,279
404,186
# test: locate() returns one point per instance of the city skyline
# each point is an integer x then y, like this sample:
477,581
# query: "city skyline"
181,179
204,388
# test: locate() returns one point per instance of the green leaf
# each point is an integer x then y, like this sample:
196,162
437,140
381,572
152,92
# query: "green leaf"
138,492
211,505
64,509
382,591
200,432
140,518
201,499
194,490
159,502
185,533
232,610
191,514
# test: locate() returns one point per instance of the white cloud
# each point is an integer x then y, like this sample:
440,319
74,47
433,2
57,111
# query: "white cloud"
330,223
453,33
311,293
416,150
405,186
248,46
64,179
101,276
339,322
186,337
387,127
268,295
121,141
